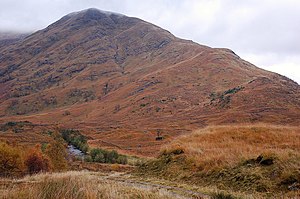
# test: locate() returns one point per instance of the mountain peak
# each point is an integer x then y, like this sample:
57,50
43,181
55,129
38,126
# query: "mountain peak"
91,17
94,12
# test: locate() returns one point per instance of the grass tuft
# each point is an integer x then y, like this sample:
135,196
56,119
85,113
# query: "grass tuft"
222,195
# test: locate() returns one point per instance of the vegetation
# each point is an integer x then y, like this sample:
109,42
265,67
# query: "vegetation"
20,106
58,155
75,138
17,161
36,161
257,159
79,185
222,195
233,90
222,99
105,156
15,126
11,162
80,95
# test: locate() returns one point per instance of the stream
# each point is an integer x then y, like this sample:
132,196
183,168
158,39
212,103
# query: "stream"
75,152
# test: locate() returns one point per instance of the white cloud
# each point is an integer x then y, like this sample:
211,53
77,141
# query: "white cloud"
288,66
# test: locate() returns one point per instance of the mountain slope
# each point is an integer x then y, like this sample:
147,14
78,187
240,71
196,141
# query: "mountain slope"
8,38
106,72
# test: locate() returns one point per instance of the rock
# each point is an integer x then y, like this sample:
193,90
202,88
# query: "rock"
265,160
294,187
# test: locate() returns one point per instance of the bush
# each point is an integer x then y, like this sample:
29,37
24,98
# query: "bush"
99,158
105,156
57,154
11,162
94,153
11,123
112,156
88,158
37,162
122,159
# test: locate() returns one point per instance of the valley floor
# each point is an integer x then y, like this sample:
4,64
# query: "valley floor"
107,185
252,162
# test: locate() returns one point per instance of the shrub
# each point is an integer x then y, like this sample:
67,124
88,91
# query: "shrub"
37,162
11,161
11,123
122,159
88,158
105,156
57,154
94,153
99,158
112,156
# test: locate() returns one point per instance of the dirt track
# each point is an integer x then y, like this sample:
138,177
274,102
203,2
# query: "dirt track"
175,192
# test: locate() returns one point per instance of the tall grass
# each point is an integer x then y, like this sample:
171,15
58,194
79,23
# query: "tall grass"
74,185
261,159
221,146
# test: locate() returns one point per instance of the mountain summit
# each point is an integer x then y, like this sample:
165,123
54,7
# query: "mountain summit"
112,73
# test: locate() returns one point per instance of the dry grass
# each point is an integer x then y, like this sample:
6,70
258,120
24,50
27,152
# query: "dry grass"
219,146
74,185
259,159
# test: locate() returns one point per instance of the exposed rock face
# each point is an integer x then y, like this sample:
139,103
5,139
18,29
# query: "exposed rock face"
113,72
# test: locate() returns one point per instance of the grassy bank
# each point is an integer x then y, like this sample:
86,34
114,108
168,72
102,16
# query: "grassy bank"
263,160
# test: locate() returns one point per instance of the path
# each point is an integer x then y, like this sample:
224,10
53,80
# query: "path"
175,192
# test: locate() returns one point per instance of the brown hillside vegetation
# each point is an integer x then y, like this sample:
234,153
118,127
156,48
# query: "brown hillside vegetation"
255,159
112,74
25,134
221,146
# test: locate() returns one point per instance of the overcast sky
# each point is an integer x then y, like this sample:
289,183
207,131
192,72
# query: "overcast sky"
264,32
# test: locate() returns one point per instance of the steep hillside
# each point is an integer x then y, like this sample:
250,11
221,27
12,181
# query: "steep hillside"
105,72
8,38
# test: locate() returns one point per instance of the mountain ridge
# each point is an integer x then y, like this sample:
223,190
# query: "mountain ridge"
107,73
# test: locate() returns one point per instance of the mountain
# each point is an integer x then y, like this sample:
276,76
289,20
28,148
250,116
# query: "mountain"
8,38
114,75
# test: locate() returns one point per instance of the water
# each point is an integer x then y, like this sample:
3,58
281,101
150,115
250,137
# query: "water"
74,151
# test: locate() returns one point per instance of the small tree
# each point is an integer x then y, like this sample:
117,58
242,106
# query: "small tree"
11,161
57,154
37,162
